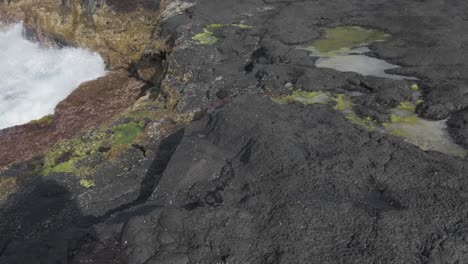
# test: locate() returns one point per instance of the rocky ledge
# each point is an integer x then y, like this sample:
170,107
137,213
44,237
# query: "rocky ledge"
216,137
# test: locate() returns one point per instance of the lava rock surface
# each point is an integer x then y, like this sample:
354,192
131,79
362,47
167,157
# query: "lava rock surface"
254,181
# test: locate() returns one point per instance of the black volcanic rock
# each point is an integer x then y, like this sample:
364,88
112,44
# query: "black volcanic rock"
254,181
458,127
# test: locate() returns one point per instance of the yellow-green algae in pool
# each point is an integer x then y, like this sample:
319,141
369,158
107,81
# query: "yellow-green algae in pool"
342,102
404,122
305,97
426,134
207,37
341,39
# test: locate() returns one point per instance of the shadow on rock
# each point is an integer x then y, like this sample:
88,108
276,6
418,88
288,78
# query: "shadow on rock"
41,223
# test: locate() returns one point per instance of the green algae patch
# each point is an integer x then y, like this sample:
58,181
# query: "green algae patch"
408,106
304,97
399,132
65,156
410,119
342,39
207,37
126,133
403,121
87,183
414,87
213,27
426,134
64,167
343,102
70,156
44,121
367,122
241,26
69,166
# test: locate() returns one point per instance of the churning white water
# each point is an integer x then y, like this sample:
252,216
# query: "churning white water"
34,79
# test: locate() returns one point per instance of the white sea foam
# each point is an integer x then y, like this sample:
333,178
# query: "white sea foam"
34,79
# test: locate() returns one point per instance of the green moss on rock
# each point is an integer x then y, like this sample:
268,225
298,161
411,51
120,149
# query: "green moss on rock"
68,156
367,122
408,106
213,27
126,133
242,26
410,119
414,87
207,37
304,97
343,102
87,183
44,121
65,156
64,167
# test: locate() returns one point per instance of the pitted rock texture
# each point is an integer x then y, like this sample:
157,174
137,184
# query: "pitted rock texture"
254,181
266,56
458,127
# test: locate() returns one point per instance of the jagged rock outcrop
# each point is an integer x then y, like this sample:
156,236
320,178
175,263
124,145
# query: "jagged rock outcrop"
122,32
119,30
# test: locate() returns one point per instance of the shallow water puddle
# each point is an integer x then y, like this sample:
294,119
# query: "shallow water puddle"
343,49
426,134
404,122
361,64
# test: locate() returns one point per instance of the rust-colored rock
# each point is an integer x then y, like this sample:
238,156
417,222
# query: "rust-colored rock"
91,104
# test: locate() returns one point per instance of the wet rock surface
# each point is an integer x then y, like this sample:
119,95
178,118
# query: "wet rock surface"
195,163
